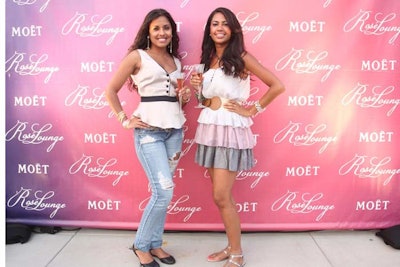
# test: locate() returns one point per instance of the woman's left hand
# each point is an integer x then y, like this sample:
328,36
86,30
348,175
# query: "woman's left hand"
234,106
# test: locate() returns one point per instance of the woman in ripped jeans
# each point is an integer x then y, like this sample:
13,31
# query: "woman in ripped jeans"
151,68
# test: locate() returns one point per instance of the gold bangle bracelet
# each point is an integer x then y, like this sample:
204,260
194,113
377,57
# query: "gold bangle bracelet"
125,123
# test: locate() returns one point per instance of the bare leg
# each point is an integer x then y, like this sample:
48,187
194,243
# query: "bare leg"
222,181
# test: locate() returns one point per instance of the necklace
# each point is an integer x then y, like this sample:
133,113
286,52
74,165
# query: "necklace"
211,67
216,63
212,77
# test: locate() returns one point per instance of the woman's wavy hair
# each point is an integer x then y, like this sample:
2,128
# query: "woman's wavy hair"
140,41
232,61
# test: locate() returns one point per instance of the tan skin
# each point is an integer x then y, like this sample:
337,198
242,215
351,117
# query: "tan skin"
222,179
160,33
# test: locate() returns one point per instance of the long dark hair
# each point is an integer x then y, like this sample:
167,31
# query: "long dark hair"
141,37
232,61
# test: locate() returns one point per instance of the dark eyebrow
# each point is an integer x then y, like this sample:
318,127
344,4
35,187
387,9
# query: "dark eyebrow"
161,26
223,21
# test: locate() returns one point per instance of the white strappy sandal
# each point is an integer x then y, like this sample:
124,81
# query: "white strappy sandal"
233,256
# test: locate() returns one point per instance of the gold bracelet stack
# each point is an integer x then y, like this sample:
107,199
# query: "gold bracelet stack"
121,116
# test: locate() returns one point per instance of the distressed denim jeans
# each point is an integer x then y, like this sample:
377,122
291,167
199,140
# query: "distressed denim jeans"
158,151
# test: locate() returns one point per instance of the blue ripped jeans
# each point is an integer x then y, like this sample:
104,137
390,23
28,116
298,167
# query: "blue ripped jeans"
158,151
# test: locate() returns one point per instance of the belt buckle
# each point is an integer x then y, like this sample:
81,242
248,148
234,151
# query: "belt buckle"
216,102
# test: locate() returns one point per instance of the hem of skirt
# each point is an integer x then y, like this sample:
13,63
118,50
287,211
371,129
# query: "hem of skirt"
229,169
213,161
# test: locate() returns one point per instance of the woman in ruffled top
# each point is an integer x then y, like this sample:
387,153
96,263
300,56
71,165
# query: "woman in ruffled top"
224,139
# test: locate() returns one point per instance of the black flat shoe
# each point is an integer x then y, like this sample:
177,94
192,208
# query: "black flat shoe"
151,264
167,260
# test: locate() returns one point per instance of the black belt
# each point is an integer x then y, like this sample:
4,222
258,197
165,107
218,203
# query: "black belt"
158,98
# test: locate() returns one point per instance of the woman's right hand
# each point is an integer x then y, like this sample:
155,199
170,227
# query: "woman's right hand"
136,122
195,80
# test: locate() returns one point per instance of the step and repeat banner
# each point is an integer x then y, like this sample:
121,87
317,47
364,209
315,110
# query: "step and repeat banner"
327,154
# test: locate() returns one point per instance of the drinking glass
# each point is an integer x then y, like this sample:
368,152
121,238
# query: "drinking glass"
180,78
199,69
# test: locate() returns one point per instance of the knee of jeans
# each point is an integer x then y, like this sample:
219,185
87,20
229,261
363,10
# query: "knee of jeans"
166,183
173,161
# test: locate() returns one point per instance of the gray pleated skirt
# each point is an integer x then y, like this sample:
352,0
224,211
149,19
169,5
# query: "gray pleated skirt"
224,158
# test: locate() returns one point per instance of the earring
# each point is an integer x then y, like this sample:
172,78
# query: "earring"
148,42
170,46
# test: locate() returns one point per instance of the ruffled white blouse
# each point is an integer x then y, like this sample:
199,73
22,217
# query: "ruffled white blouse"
153,80
222,128
216,83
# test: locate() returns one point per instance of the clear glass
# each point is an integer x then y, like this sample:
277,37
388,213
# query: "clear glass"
199,69
180,78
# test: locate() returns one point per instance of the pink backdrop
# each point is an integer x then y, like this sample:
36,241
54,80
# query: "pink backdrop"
327,150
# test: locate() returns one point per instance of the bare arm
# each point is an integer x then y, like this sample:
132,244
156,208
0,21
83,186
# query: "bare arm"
129,65
276,87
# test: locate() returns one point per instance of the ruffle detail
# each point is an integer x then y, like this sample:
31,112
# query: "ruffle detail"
224,158
224,136
161,114
224,117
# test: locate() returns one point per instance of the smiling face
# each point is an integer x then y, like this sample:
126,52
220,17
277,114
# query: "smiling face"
219,30
160,32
